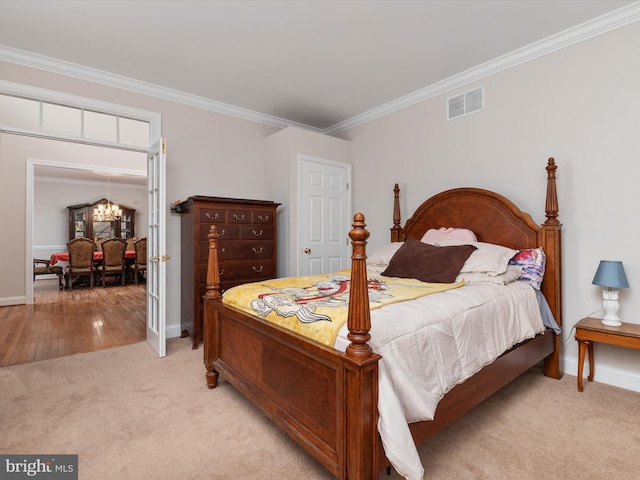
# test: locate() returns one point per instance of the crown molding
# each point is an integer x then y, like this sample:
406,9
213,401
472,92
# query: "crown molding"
62,67
598,26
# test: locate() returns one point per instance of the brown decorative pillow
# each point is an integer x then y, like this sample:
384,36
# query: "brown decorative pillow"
428,263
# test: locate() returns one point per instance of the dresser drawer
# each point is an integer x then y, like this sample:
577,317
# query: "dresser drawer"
235,273
211,215
239,216
252,270
255,232
263,218
225,232
245,250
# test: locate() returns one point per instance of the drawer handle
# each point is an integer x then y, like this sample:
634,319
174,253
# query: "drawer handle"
256,269
211,217
221,233
257,250
263,218
223,250
258,234
238,217
221,272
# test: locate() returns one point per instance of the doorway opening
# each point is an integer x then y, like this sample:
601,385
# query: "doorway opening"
80,109
59,184
60,322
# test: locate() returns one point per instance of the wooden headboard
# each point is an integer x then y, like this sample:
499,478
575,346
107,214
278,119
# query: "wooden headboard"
494,219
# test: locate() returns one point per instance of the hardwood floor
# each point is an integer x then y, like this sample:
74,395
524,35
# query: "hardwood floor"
63,322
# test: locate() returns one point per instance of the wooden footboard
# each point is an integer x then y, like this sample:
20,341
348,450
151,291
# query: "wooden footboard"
325,400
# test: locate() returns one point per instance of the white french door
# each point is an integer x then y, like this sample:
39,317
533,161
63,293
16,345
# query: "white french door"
324,221
156,249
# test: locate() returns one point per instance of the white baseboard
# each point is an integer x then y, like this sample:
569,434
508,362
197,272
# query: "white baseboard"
46,277
173,330
6,301
605,374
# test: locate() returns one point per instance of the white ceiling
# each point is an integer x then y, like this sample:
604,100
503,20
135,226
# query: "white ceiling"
315,63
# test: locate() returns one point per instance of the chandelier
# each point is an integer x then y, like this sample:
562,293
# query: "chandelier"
107,212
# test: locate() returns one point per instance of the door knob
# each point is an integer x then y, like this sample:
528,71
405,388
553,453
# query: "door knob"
307,250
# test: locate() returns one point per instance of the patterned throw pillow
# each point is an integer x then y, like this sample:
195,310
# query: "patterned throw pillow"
532,261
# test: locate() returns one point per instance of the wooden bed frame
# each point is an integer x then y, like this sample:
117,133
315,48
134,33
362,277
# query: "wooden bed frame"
326,400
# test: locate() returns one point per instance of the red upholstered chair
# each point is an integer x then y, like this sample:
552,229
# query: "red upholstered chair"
80,260
113,253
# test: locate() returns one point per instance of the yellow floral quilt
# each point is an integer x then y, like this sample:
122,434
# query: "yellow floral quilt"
317,306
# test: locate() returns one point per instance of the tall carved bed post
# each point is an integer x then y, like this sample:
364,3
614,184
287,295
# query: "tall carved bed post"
396,230
552,285
210,314
361,368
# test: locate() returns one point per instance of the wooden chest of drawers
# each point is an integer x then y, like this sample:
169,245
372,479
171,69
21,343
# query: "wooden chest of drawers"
246,249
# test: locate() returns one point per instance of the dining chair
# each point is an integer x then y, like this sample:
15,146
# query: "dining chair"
113,263
99,244
80,260
43,267
140,262
130,243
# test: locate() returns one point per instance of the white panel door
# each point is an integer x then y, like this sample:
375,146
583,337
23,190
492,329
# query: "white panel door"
325,205
156,250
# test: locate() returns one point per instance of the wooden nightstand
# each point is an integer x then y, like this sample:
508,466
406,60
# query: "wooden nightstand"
589,330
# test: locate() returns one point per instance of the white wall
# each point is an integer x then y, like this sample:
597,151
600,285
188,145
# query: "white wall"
580,105
52,197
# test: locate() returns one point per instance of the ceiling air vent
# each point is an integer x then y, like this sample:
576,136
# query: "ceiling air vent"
465,103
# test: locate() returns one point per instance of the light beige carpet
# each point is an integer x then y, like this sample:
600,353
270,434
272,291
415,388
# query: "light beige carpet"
130,415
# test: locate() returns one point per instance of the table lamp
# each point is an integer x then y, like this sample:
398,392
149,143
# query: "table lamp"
610,274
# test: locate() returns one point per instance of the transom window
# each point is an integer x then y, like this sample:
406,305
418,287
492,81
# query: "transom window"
72,122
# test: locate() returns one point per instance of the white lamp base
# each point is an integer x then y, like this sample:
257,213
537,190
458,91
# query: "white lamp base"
611,306
611,323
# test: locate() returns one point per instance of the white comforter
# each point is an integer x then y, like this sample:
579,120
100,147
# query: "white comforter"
431,344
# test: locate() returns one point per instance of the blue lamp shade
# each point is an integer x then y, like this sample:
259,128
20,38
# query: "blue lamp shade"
611,274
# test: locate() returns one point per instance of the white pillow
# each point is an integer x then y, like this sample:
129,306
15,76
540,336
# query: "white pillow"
434,236
511,275
373,269
382,255
488,257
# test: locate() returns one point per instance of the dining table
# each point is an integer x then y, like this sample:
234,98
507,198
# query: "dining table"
64,256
